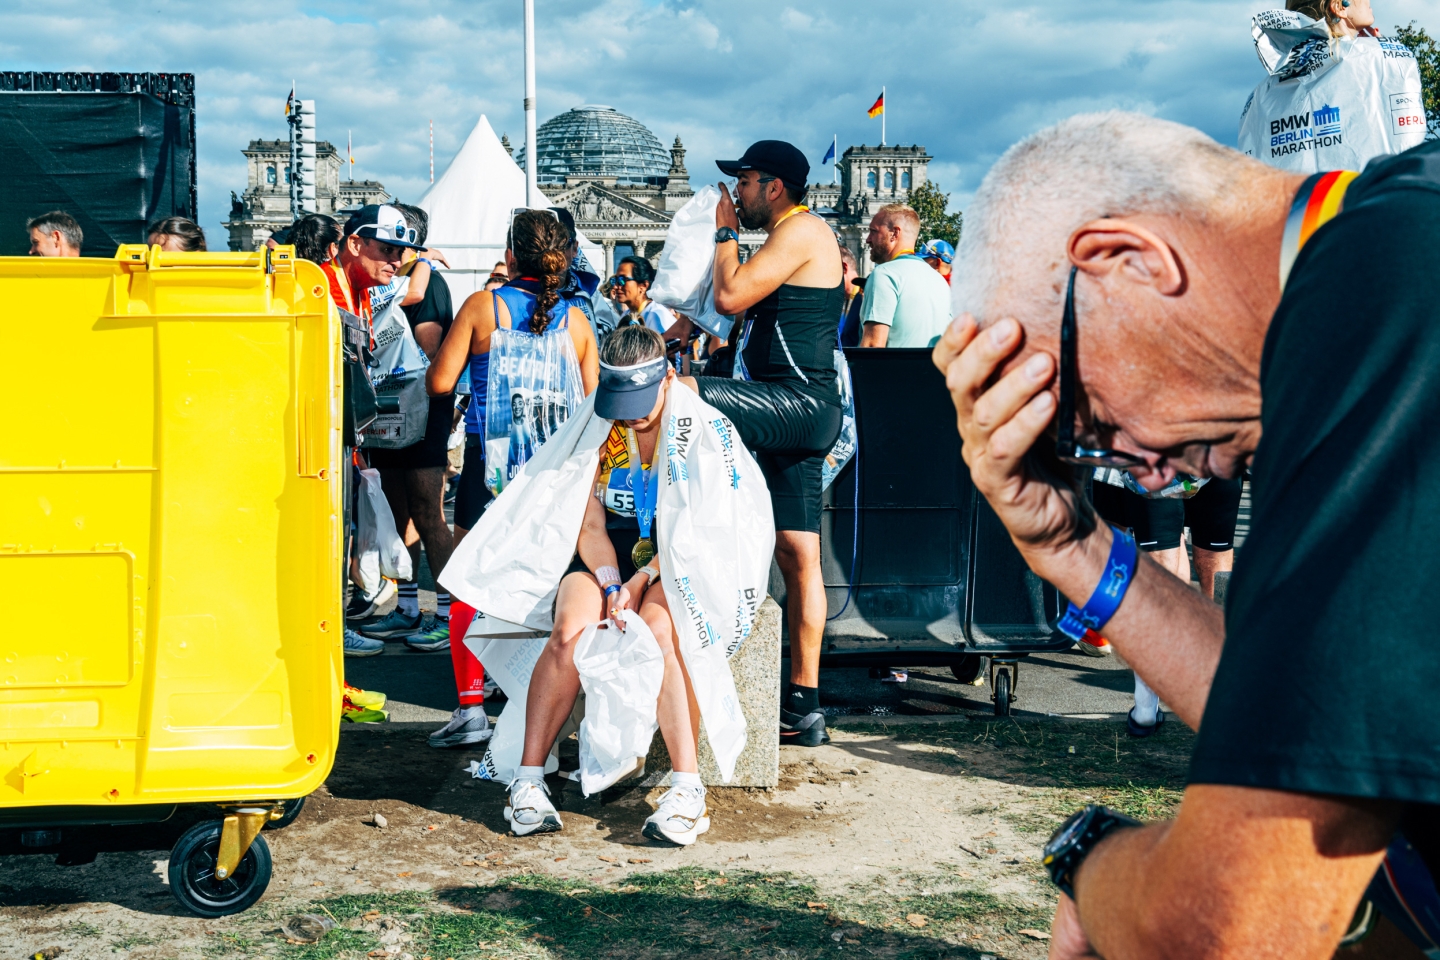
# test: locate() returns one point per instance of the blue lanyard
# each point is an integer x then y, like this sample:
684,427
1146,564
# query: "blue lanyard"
644,484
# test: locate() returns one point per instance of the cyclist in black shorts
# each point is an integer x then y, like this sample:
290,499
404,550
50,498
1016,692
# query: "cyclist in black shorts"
783,399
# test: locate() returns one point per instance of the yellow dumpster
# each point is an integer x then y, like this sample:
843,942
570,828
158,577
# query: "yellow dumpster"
171,500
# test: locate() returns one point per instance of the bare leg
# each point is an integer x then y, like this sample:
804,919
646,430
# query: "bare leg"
677,710
798,554
1176,561
555,683
425,496
394,483
1209,563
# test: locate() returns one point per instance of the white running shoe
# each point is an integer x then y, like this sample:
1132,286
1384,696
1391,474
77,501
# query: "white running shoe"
530,810
681,818
467,725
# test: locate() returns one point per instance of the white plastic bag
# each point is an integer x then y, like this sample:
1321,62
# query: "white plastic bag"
533,388
685,279
717,538
377,542
849,440
620,671
397,372
1329,104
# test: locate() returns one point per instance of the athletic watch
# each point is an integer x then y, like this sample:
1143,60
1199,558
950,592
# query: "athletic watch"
726,234
1076,838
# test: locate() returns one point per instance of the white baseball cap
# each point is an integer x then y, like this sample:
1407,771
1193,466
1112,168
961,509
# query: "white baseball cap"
380,221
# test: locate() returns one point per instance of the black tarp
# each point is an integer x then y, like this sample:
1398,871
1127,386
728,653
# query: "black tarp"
116,151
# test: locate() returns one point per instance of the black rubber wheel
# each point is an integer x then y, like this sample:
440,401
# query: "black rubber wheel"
1002,693
292,810
192,873
967,668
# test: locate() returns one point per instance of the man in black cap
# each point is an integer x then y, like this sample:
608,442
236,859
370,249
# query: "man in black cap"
783,400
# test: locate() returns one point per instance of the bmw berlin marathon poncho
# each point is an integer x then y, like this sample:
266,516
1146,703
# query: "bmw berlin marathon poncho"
1329,103
716,537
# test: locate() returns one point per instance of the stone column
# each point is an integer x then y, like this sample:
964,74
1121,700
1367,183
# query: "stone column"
756,668
609,246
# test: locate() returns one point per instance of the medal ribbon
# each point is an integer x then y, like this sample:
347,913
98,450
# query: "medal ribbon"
1319,199
644,484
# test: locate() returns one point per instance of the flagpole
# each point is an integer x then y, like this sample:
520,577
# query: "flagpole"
883,105
834,158
532,185
350,154
432,151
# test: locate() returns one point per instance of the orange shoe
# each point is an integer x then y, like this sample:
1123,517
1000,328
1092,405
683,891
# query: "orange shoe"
1094,645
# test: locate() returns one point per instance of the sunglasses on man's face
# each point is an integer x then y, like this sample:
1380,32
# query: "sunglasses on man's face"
1067,448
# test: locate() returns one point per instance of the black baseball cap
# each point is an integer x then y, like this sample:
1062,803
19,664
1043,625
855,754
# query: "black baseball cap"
775,157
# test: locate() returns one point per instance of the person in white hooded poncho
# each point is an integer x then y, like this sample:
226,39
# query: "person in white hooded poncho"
644,506
1337,94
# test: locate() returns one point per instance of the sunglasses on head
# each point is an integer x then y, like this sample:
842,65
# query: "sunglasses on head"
1067,448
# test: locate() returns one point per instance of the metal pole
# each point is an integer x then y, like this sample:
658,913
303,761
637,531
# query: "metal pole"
532,183
834,158
293,118
432,151
884,109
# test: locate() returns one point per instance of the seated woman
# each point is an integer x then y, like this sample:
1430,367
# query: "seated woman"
615,569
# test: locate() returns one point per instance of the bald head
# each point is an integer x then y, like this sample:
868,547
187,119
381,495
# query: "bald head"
1175,242
893,230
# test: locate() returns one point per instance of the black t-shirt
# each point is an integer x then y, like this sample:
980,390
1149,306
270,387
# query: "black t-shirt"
436,307
1330,677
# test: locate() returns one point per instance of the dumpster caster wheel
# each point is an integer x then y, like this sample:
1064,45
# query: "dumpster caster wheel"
1002,693
292,810
967,668
192,873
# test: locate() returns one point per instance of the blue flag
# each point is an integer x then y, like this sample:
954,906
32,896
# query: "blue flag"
829,154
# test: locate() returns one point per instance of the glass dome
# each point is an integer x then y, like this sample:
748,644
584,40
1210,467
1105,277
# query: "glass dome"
598,141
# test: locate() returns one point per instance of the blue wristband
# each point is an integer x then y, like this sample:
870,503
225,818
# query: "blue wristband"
1119,571
613,588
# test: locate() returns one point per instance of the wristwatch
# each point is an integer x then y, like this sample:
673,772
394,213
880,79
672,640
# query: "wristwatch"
1072,843
651,574
726,234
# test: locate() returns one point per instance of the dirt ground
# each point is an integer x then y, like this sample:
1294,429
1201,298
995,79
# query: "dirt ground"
902,838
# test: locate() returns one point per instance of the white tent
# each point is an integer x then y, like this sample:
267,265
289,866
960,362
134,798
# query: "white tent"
469,208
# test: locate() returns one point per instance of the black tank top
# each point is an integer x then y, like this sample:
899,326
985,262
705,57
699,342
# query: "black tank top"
792,338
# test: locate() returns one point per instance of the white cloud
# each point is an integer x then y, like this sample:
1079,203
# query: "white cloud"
963,78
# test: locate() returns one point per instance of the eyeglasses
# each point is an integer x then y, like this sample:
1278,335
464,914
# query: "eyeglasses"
1066,446
735,183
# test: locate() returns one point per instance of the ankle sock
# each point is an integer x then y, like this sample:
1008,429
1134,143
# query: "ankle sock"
802,700
442,605
409,599
530,773
678,779
1147,703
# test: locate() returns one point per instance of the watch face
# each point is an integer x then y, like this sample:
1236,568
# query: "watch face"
1068,833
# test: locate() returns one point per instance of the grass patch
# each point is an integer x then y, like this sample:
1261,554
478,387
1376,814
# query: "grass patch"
674,914
1072,763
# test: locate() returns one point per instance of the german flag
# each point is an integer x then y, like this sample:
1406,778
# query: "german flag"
878,107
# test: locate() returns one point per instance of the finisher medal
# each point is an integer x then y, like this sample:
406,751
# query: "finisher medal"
642,553
645,485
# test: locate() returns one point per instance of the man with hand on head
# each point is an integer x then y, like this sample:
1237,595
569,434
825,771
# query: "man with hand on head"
784,401
54,234
907,304
1167,304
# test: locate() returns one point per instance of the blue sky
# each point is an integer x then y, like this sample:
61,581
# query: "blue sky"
965,78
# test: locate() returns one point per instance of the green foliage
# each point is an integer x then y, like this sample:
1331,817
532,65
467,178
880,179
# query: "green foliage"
935,222
1427,52
685,914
